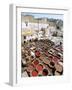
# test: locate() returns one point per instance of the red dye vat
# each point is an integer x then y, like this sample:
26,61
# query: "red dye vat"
39,67
37,53
36,63
34,73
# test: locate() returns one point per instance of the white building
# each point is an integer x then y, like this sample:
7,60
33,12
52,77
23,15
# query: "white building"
41,29
32,28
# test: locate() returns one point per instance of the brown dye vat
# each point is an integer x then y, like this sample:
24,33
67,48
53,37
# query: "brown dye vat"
52,63
45,72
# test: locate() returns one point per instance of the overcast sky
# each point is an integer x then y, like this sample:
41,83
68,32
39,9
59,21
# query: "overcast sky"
45,15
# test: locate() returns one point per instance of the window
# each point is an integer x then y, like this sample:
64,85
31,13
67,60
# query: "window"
24,37
26,23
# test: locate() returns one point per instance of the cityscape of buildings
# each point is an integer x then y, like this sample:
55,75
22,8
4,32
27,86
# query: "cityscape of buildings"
42,28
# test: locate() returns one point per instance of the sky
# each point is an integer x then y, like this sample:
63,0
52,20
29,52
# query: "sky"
45,15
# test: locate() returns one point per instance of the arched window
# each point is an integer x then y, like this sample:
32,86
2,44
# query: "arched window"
26,23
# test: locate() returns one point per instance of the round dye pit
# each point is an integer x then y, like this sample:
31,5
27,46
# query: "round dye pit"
37,53
36,63
52,63
39,67
45,72
34,73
